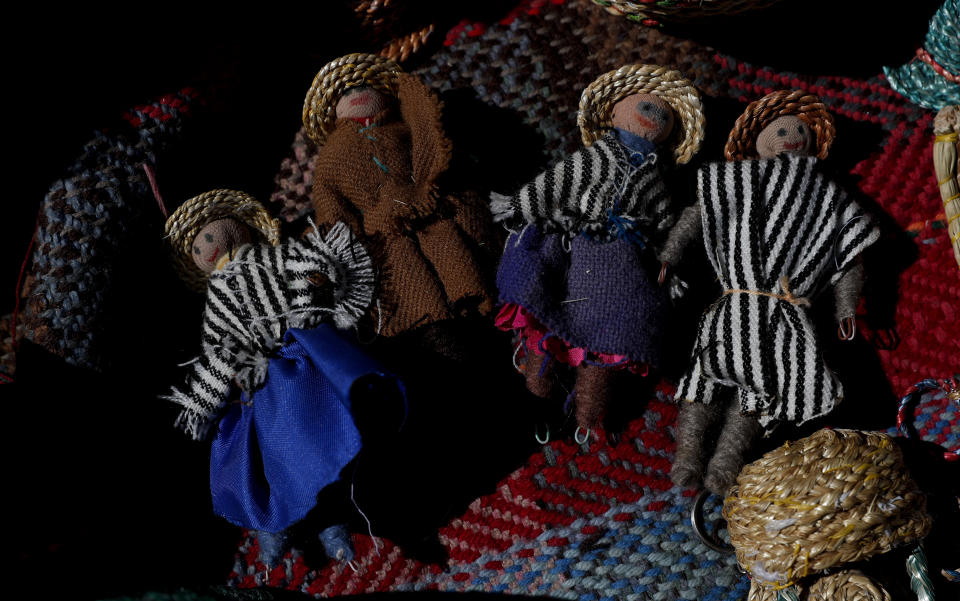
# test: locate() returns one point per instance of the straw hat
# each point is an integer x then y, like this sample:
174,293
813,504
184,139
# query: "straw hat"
742,141
598,99
191,217
350,71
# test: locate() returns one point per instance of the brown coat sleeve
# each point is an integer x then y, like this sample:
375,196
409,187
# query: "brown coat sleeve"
329,203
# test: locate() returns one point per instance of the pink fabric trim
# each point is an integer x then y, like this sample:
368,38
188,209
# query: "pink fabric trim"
539,340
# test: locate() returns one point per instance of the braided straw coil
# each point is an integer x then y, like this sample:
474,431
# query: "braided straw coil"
742,141
946,150
191,217
599,98
350,71
652,13
832,498
845,585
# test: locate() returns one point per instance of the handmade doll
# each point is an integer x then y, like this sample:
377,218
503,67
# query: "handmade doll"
577,277
269,327
382,148
777,232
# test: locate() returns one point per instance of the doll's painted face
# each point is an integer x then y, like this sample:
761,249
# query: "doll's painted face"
216,239
360,103
644,115
788,134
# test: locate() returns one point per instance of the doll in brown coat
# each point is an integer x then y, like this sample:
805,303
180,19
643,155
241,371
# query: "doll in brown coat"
382,148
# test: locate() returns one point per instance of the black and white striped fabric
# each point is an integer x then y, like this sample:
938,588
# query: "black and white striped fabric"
251,303
763,221
581,193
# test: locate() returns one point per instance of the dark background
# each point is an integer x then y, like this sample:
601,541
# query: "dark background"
106,498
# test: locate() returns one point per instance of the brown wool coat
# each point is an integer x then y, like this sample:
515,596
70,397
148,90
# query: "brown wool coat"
380,180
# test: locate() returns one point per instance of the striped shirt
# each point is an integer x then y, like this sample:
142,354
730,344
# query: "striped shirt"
774,229
584,191
251,303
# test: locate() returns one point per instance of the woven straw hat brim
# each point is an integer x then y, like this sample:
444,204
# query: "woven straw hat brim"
186,222
337,76
599,98
742,141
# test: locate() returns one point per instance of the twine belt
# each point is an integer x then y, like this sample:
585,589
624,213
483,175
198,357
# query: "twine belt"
786,296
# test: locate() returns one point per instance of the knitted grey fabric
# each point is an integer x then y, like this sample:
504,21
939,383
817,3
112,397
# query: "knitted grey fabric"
79,241
846,292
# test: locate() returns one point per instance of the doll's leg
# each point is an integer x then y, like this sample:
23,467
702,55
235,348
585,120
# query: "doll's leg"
336,543
272,546
539,374
590,394
737,436
693,422
699,412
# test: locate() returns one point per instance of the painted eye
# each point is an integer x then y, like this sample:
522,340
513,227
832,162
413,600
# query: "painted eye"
645,107
196,250
801,130
208,237
781,132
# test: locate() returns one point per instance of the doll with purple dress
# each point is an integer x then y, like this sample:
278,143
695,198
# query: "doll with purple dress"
578,277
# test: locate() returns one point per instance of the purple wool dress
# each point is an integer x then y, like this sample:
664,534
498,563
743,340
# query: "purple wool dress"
582,265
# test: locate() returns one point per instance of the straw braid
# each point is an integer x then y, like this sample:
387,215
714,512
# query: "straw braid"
648,13
598,99
400,49
832,498
350,71
191,217
946,127
845,585
742,141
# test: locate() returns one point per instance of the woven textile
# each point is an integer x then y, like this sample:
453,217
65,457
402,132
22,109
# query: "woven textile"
78,241
539,533
574,522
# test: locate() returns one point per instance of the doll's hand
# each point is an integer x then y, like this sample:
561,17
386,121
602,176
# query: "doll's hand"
847,329
663,273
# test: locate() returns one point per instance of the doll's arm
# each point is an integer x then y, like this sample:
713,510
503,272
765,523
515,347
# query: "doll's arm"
224,342
688,227
330,205
345,264
846,294
556,195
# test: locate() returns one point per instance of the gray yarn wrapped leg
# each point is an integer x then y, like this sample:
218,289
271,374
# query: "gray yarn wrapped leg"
693,421
336,543
737,436
272,546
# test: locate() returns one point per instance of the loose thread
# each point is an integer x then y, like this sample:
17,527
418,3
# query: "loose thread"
23,270
152,178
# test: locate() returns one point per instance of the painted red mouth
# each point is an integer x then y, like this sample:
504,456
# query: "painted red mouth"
213,257
796,146
644,121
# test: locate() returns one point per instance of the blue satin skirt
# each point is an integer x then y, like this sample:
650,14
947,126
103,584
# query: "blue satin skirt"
278,448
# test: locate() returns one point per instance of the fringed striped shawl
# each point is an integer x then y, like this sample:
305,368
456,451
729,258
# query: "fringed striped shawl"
251,303
581,193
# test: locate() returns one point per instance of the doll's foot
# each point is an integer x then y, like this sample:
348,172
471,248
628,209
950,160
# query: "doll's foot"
722,474
686,475
272,546
539,375
336,543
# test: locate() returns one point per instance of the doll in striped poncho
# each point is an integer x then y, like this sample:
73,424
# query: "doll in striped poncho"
270,328
778,232
577,277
